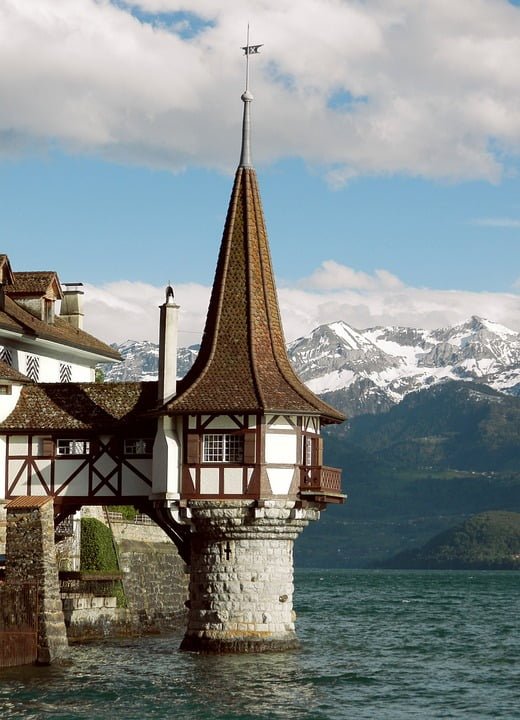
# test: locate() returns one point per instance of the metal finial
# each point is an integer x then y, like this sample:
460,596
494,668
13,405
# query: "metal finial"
169,294
247,98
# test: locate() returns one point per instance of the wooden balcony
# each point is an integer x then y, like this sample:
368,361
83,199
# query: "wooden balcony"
321,482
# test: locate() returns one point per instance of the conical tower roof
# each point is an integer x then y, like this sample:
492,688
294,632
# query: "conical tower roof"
242,365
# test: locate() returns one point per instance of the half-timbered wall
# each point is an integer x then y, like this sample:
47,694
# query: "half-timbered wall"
223,454
237,437
33,466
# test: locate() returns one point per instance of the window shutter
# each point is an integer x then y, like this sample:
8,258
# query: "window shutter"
320,451
192,450
249,449
47,446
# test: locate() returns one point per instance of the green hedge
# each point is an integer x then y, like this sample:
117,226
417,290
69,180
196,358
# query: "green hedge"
98,554
97,547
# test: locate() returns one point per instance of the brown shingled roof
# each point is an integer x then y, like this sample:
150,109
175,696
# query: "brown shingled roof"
9,373
242,365
14,317
98,407
38,283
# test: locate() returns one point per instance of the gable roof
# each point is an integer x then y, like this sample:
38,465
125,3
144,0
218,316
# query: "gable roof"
242,365
6,274
34,284
15,318
87,407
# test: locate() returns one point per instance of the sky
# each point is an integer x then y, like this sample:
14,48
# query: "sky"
386,139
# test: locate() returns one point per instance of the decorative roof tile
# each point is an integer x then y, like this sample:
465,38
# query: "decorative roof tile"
242,365
87,407
14,317
37,283
9,373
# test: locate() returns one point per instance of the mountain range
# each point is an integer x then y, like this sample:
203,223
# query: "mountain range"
369,371
433,434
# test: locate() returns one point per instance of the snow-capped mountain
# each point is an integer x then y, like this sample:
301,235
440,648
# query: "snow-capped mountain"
377,367
141,361
370,370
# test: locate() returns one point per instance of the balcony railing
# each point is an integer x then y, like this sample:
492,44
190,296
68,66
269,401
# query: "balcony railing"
320,479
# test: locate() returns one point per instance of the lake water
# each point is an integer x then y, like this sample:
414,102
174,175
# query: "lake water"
375,644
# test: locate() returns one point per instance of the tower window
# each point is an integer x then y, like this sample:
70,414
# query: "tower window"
223,448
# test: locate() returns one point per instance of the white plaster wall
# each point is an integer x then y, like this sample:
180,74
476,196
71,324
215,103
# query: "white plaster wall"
209,481
280,449
281,422
8,402
166,457
44,467
233,481
280,480
3,452
223,422
18,445
132,484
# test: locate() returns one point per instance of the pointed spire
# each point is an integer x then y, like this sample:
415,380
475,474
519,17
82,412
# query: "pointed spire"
242,365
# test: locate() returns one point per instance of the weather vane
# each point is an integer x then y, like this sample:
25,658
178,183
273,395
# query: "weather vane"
249,50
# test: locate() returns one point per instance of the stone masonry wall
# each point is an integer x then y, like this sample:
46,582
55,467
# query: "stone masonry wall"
31,557
241,585
155,582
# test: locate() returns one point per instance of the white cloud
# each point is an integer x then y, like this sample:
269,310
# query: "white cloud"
125,310
439,83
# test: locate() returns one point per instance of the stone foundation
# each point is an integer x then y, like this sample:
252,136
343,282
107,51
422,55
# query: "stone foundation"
241,583
31,557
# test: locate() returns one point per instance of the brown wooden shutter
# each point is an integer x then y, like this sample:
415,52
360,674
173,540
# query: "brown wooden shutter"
47,446
249,448
319,448
193,449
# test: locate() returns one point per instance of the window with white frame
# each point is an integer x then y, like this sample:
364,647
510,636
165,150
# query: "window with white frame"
73,447
223,448
138,446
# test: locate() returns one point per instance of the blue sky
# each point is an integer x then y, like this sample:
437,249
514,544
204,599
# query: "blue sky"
386,140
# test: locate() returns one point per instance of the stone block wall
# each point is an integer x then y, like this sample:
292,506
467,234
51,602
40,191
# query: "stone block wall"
155,582
31,557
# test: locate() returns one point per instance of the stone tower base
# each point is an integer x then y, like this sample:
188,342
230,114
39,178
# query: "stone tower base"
241,583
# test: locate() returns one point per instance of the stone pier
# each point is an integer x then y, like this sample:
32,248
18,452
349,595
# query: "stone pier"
241,582
31,558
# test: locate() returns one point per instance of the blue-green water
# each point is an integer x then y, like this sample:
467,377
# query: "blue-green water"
374,645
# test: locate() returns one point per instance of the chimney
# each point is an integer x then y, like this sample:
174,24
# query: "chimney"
72,304
168,325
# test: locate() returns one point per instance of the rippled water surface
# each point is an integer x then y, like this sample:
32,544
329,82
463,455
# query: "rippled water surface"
374,645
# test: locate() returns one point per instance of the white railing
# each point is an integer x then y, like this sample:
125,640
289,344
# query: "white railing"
138,520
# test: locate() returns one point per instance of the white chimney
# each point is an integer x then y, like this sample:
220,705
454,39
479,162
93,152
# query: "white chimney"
168,331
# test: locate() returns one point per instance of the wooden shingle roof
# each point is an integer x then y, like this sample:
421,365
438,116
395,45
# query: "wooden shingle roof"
11,375
34,283
15,318
87,407
242,365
